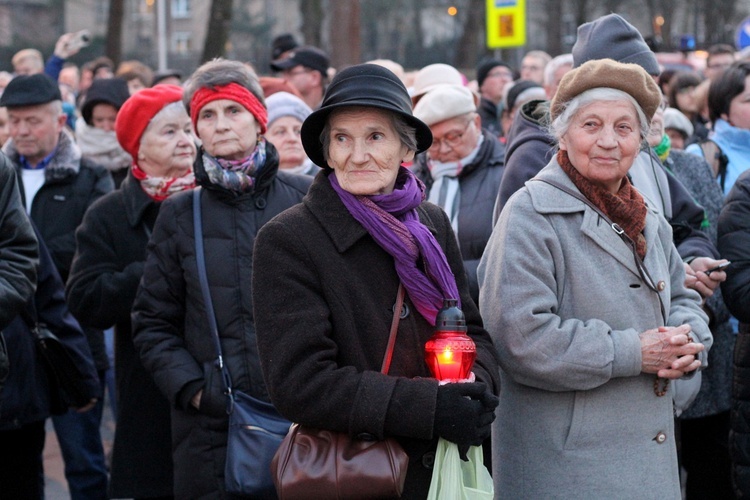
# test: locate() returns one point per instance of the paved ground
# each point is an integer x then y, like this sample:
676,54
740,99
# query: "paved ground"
55,486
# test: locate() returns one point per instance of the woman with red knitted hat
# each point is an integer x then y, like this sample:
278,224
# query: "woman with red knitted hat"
241,189
155,130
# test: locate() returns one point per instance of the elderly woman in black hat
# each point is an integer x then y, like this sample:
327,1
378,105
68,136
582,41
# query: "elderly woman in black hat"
326,275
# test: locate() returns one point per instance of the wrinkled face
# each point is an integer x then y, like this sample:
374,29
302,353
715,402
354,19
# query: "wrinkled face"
103,116
4,126
284,134
228,130
739,108
365,151
602,142
167,145
532,68
35,130
656,132
455,138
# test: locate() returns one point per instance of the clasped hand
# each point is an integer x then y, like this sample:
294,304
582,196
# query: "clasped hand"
669,351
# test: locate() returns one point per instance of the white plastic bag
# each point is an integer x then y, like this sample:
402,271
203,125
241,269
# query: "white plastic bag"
454,479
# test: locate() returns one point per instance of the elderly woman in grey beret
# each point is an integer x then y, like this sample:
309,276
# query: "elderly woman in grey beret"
583,293
286,112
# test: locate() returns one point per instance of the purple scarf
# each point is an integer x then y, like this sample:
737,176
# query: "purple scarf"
392,221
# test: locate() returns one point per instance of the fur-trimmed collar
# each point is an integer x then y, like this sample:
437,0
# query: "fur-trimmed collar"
65,162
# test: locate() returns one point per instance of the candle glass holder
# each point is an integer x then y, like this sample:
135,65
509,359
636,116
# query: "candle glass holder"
450,353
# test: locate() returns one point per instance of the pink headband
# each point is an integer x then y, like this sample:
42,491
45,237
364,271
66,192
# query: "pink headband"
233,92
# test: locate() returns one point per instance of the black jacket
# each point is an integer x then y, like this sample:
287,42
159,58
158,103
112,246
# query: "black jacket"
108,265
490,117
734,244
171,329
25,397
478,182
530,147
19,254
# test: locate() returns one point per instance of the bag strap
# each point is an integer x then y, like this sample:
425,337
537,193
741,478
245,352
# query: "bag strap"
645,276
394,330
200,260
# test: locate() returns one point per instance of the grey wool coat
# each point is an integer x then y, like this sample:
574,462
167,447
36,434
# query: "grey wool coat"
564,303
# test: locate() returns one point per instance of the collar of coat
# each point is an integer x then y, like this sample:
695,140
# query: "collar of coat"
65,163
135,199
549,200
334,217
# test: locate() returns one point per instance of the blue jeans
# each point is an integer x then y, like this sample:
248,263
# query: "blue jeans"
81,446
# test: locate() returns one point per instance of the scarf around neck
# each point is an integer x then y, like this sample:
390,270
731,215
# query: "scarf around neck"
64,161
161,188
626,208
662,149
237,176
392,221
445,191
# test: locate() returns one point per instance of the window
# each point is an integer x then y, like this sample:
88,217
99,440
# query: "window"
181,43
180,8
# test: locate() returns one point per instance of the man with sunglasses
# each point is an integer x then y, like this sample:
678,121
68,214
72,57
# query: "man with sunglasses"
462,169
306,69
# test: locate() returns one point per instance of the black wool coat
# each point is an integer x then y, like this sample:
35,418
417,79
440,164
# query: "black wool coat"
170,325
323,293
107,267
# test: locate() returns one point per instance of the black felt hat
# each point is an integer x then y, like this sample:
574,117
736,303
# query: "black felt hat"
30,90
366,85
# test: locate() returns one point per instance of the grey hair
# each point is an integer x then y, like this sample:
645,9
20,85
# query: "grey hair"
171,109
406,133
220,72
555,64
559,127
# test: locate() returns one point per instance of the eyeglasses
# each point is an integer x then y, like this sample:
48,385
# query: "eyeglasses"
501,74
451,139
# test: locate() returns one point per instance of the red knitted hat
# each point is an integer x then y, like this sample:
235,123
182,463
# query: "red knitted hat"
137,112
233,92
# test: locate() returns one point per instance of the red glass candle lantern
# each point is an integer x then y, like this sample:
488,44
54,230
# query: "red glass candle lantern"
450,353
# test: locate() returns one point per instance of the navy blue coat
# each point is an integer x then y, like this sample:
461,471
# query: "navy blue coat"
25,396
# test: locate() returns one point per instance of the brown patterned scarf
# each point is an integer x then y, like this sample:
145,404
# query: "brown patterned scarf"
626,208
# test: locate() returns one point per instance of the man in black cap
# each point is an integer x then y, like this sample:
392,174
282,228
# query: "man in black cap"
58,186
306,69
492,77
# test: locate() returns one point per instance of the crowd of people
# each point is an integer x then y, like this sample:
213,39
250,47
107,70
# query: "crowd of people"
589,212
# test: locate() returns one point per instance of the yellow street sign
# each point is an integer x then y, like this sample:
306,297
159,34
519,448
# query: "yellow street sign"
506,23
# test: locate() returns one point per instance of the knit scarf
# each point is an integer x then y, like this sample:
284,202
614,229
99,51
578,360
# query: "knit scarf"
626,208
445,191
392,221
161,188
237,176
662,149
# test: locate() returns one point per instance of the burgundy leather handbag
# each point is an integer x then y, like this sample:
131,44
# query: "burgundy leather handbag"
318,463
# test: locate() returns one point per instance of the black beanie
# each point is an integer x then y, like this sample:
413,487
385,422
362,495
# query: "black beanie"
612,37
485,67
112,91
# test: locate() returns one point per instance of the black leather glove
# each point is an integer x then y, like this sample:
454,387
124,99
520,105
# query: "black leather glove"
463,414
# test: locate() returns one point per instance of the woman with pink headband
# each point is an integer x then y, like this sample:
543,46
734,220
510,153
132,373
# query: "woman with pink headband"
241,189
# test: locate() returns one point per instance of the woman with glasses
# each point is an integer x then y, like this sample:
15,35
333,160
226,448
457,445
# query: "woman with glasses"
462,169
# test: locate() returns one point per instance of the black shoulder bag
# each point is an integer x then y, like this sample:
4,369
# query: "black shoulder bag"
255,427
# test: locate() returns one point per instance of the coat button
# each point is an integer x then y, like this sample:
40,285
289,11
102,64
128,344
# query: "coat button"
661,286
428,460
660,438
404,310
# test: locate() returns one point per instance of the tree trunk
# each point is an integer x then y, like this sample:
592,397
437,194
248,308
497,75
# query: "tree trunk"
345,33
474,26
312,20
554,27
219,25
113,41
